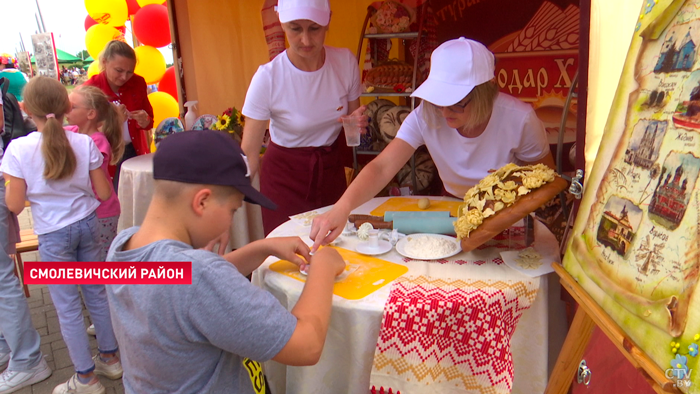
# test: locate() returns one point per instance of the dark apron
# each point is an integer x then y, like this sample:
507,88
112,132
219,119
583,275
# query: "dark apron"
301,179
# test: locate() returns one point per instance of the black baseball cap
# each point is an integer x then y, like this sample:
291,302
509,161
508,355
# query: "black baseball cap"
208,157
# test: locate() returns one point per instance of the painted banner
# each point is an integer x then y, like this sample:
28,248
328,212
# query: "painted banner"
536,47
24,63
45,55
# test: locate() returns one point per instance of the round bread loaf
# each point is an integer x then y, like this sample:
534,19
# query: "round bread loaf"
425,172
391,121
373,107
378,117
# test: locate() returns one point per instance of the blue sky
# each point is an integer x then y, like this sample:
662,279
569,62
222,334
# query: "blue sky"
65,18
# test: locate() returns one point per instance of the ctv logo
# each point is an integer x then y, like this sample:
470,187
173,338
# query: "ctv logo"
680,375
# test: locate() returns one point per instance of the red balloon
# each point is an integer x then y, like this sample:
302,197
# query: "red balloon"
89,22
167,84
151,25
133,6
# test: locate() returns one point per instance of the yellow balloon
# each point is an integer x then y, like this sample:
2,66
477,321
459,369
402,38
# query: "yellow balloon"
94,69
164,106
97,37
150,64
108,12
144,3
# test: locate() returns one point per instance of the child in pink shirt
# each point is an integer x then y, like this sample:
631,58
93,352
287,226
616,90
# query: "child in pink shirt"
91,113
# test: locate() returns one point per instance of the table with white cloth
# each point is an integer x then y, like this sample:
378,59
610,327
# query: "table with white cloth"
349,352
136,189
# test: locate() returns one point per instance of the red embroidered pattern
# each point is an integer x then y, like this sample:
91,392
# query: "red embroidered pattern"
443,331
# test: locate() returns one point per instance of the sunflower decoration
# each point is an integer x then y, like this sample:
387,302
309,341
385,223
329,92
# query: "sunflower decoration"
223,122
231,121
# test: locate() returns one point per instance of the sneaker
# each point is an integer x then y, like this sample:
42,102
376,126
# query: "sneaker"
4,361
73,386
111,371
11,381
91,330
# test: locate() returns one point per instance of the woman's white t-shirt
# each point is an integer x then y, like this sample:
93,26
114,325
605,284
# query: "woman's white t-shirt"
303,107
55,204
514,134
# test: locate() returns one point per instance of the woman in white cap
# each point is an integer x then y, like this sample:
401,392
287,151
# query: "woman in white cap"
468,126
302,93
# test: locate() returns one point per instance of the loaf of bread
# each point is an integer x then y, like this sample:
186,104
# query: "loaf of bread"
389,75
502,198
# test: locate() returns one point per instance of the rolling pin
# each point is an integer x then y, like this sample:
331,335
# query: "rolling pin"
431,225
390,215
413,225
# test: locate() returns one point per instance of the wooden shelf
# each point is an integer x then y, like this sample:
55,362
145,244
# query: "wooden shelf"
407,35
380,93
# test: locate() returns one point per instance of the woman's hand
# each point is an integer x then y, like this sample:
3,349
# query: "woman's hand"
291,249
141,117
327,226
121,108
363,120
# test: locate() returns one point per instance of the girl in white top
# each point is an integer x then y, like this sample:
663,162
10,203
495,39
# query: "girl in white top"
55,170
302,93
468,127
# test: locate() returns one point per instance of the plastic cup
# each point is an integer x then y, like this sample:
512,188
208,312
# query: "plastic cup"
352,130
374,239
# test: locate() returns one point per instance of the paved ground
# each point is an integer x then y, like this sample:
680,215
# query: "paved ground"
52,346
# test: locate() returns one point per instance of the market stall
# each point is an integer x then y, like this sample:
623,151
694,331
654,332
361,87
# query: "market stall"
218,84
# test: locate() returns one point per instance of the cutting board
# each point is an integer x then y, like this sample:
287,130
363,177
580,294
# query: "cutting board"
363,274
411,204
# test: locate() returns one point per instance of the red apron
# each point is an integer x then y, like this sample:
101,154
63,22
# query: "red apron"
301,179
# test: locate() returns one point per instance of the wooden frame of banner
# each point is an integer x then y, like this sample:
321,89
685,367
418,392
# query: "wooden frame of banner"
588,315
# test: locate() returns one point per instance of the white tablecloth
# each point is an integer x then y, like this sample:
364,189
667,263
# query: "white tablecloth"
347,357
136,190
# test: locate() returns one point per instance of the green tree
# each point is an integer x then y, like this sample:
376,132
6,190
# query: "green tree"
83,54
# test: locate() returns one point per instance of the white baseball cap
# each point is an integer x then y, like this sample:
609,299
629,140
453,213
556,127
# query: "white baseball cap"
318,11
456,67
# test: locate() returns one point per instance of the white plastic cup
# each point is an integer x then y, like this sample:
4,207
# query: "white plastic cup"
352,130
374,239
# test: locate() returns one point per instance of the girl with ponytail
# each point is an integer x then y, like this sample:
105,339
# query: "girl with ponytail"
93,115
55,170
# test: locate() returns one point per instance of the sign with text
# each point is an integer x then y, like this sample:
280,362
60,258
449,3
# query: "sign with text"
108,273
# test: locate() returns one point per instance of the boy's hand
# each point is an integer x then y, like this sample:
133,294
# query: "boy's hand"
222,241
291,249
329,256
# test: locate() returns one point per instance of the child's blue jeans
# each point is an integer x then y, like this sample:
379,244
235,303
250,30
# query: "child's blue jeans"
79,242
17,333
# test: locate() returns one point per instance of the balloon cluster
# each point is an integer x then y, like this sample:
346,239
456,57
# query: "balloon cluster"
151,26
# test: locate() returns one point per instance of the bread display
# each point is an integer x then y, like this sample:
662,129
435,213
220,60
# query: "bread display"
502,198
391,120
389,75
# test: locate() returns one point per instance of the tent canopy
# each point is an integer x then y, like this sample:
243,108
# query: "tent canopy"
63,57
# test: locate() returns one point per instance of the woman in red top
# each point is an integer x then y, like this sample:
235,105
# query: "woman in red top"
128,90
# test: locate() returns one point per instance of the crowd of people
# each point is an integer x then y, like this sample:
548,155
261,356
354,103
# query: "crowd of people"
72,75
212,335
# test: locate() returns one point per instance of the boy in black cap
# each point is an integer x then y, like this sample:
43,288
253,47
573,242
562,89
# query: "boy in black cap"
204,337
